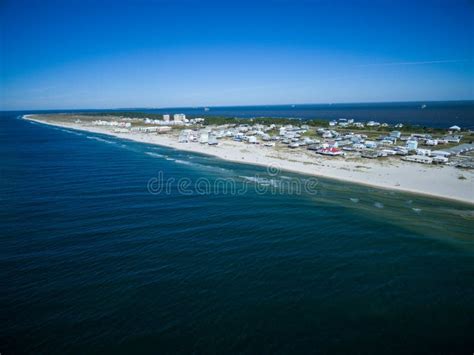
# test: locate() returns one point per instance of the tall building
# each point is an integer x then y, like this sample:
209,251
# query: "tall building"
180,117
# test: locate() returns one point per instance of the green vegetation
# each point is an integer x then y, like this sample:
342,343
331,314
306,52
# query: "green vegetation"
129,114
220,120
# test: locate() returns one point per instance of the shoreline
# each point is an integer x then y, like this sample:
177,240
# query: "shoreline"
402,176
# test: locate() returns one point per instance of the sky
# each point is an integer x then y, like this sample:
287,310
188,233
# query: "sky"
74,54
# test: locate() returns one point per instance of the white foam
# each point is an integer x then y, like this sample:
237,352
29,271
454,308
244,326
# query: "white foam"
100,140
154,154
260,180
179,161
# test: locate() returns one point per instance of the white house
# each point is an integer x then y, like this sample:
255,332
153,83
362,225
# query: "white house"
431,142
395,134
179,117
373,124
411,144
425,152
370,144
418,159
453,139
212,139
184,136
203,137
252,140
440,160
440,153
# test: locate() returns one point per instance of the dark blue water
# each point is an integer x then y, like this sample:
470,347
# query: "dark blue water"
438,114
425,114
92,262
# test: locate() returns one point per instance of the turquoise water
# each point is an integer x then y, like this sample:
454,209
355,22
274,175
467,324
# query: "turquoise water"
92,262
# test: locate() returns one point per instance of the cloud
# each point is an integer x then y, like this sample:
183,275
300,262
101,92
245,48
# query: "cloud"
414,63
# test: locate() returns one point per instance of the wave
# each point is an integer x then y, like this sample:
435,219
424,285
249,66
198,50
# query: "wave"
71,132
466,214
261,180
201,166
378,205
179,161
156,155
355,200
100,139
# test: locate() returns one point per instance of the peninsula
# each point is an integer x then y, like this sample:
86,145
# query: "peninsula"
438,163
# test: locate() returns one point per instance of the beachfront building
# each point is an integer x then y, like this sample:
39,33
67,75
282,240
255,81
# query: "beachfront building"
196,120
455,128
452,139
411,144
252,139
330,151
212,139
373,124
186,136
112,123
163,129
418,159
204,136
460,149
151,129
370,144
179,117
121,130
370,154
395,134
166,118
440,160
388,141
425,152
440,153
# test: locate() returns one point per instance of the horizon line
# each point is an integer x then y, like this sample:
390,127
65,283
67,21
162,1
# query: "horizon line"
243,105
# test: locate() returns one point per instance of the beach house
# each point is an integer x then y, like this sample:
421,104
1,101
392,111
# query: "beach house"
179,117
418,159
370,144
411,144
203,136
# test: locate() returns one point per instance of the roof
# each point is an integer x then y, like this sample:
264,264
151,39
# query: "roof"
466,147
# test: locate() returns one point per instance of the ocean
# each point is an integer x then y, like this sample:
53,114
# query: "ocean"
104,250
437,114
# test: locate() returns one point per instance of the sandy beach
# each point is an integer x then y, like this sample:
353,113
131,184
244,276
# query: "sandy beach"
439,181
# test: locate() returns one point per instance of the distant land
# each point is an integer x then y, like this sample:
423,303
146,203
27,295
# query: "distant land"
438,114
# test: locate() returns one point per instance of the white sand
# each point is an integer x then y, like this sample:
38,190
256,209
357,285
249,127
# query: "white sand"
391,173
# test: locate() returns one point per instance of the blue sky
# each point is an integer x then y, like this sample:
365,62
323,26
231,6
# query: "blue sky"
107,54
